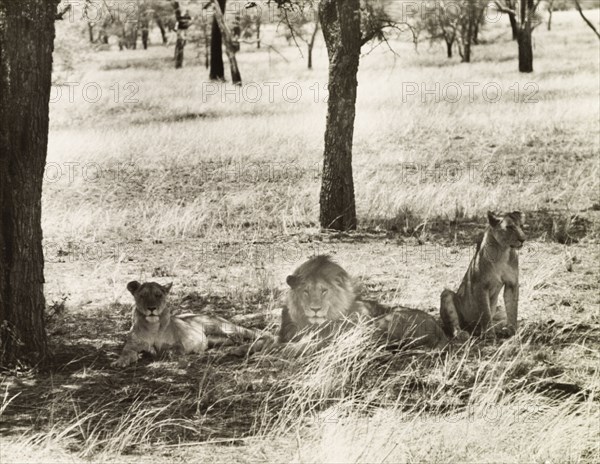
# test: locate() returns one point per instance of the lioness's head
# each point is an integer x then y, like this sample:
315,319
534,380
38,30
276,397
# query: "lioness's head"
150,299
507,230
320,291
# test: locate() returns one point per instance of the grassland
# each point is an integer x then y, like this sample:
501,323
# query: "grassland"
221,197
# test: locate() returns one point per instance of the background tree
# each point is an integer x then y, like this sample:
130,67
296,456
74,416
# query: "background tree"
303,25
231,44
340,21
26,45
183,21
217,68
444,25
527,22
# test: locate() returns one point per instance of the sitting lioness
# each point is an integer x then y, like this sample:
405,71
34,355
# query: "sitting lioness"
321,291
473,307
154,329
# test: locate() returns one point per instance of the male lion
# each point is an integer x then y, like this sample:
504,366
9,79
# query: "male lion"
154,329
473,307
322,292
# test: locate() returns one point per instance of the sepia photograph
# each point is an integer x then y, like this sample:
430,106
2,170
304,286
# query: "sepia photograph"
299,231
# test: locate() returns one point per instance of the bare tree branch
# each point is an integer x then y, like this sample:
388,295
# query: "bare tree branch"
588,22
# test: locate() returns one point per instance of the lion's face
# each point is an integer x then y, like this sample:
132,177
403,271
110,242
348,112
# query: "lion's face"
319,292
508,230
150,299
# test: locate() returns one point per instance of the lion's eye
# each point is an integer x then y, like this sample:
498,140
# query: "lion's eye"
306,292
324,291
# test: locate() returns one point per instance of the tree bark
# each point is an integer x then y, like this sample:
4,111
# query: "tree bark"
179,49
26,45
258,24
449,48
230,48
91,32
525,50
217,68
340,21
468,36
526,11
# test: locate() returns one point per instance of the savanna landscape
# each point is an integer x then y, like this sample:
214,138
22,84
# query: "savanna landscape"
160,174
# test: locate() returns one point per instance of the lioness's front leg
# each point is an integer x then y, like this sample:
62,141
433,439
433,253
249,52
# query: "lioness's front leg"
485,313
511,302
131,350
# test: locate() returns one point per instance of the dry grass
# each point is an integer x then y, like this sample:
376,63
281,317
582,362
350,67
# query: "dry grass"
222,198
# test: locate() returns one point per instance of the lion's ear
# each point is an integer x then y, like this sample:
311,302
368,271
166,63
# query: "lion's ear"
519,216
493,219
133,286
292,280
167,288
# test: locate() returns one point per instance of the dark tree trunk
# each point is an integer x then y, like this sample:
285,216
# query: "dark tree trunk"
468,35
449,48
161,27
217,69
513,26
525,51
230,47
550,17
258,23
179,48
340,21
475,37
145,38
91,32
526,10
206,46
26,45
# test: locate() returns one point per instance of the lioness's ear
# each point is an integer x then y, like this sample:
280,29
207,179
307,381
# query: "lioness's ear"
493,219
519,215
133,286
167,288
292,280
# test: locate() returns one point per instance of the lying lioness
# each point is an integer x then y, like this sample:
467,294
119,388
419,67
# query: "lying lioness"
154,329
473,307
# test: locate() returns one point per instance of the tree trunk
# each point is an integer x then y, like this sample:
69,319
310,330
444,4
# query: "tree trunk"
206,46
513,26
525,51
161,27
476,32
340,20
468,36
526,10
179,48
449,48
230,47
550,17
217,69
26,45
145,34
258,22
91,32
